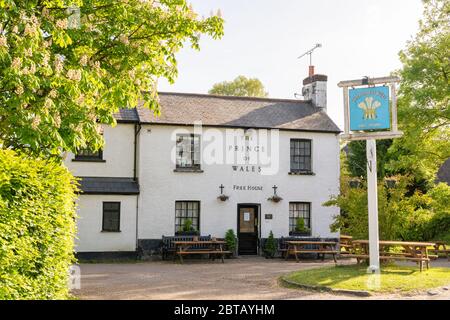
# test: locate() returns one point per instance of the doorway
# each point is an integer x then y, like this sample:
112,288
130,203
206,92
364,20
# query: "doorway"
248,229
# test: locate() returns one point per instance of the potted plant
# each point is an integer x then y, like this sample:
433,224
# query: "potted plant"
270,246
300,229
275,198
230,239
223,197
187,229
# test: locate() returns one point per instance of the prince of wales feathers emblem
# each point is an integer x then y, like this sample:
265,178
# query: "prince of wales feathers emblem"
369,106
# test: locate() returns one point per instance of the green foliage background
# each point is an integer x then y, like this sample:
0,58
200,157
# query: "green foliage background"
401,216
240,87
416,208
37,227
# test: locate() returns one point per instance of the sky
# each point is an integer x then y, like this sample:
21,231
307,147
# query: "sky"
263,39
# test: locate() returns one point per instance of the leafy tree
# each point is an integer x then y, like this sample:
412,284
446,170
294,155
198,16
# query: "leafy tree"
241,86
356,158
401,216
67,65
424,97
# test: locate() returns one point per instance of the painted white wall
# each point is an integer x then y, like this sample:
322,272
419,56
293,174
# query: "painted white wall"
90,237
161,186
118,154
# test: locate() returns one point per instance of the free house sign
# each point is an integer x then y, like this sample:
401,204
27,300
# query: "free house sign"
369,109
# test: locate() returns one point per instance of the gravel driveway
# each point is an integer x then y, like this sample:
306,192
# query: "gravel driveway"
242,278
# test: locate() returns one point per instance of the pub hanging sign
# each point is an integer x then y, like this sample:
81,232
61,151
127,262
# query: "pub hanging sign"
369,109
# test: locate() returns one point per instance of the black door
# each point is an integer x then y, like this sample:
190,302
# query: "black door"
247,229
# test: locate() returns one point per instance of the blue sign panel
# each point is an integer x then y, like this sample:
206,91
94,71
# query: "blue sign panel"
369,109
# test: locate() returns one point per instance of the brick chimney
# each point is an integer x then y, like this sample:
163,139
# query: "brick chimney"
315,89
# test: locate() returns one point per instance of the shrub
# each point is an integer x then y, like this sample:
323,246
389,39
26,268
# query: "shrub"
270,246
230,239
37,227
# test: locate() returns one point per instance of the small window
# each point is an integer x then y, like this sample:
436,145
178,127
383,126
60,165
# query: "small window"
89,155
111,216
301,156
185,210
299,210
188,151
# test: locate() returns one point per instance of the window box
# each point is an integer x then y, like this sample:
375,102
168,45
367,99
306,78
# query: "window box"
187,233
302,173
87,160
300,234
191,169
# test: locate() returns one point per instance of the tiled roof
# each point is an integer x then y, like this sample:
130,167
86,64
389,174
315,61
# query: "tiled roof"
107,185
244,112
127,115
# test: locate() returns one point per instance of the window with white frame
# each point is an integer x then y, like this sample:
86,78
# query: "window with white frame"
188,151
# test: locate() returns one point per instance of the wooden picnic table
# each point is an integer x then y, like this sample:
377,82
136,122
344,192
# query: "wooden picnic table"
324,247
412,251
212,248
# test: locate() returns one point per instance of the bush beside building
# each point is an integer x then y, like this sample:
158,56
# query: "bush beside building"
37,227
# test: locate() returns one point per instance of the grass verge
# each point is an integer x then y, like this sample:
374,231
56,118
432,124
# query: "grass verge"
354,277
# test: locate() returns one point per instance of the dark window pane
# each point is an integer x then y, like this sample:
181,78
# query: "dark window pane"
300,156
111,216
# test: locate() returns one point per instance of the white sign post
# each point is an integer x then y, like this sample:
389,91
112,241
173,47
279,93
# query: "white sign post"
372,197
371,113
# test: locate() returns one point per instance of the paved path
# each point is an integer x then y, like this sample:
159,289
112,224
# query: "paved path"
242,278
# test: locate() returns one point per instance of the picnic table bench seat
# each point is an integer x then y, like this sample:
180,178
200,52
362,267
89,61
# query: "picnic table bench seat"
306,245
440,248
213,248
168,246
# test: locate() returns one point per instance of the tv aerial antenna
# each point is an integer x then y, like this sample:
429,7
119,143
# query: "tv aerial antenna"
310,52
311,67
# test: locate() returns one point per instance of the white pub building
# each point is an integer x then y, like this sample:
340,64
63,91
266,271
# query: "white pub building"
253,165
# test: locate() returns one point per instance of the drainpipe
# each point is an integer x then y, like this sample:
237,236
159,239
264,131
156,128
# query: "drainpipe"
137,129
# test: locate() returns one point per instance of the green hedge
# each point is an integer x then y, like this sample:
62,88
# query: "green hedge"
37,227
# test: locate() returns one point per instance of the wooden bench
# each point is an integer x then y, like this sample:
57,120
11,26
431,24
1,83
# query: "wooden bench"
319,247
212,248
283,245
168,246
